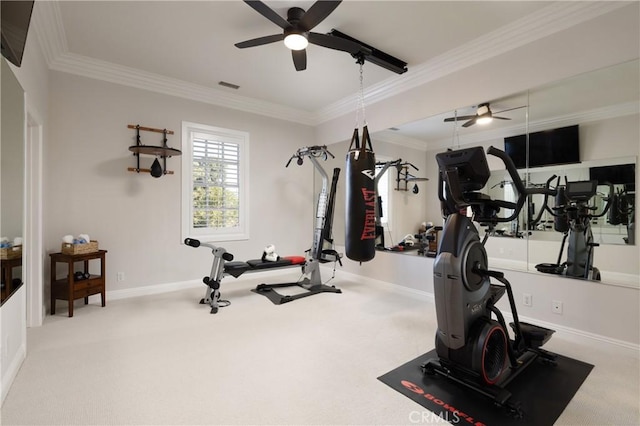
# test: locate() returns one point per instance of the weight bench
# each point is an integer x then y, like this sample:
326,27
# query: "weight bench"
237,268
223,264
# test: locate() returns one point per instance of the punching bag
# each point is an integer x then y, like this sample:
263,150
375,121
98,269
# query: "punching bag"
614,217
360,206
561,222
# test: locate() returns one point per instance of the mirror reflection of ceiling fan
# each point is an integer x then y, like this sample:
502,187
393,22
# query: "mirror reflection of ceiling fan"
483,115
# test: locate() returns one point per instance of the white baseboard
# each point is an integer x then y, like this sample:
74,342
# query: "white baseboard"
147,290
579,333
411,292
181,285
426,296
12,370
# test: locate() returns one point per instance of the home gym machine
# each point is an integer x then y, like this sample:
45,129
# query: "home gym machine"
473,349
402,176
321,251
572,217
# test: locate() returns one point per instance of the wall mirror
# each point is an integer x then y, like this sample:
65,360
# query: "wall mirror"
604,104
12,178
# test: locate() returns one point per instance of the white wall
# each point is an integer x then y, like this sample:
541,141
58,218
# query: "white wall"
137,217
13,329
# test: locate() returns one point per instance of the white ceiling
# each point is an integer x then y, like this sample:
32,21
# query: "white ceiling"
187,47
194,41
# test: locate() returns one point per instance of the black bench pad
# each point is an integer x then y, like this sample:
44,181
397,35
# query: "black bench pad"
260,264
235,269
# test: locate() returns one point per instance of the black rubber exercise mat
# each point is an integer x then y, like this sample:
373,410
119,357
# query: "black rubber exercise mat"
542,391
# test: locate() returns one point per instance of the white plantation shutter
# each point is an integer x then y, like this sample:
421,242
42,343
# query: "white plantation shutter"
215,183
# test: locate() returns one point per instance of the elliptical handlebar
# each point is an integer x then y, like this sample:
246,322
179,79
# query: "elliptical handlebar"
609,201
513,172
522,191
511,168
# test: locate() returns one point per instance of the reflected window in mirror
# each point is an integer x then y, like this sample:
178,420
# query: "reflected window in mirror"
385,207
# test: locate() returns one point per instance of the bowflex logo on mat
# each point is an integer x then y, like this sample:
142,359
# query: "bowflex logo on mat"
456,414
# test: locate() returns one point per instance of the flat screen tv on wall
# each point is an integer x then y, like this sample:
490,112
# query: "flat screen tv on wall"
16,16
618,174
546,148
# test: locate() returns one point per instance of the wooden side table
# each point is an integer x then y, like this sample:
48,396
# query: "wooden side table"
68,288
6,266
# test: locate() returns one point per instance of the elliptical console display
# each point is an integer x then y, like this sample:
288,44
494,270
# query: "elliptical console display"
473,344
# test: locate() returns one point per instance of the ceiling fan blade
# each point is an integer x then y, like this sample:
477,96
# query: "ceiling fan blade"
260,41
299,59
501,118
268,13
317,13
470,122
336,43
460,118
510,109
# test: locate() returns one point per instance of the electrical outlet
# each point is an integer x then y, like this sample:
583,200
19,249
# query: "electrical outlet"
556,307
120,276
527,299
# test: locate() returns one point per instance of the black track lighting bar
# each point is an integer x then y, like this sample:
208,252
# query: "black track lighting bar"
374,55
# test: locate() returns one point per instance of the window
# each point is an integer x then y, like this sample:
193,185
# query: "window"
384,188
383,192
215,184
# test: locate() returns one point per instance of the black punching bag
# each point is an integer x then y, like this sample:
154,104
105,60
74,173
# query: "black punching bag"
561,222
360,204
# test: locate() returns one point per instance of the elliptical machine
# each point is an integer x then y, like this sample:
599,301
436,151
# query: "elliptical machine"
573,216
474,349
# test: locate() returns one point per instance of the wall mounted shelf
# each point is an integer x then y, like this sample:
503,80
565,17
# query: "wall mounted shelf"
163,151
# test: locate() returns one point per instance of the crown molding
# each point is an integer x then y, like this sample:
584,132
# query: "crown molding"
49,30
556,17
126,76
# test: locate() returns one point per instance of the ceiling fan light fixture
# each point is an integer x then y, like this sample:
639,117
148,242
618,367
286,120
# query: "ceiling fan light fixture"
485,119
296,41
484,114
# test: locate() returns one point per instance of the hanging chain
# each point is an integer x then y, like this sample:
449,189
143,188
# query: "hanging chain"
455,139
360,105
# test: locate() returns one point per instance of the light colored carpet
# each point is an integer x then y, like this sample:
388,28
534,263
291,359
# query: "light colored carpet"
163,359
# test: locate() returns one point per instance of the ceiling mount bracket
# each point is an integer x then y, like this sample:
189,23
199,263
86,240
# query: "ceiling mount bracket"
374,55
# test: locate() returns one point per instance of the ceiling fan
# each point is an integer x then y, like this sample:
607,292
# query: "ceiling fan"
483,115
297,31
